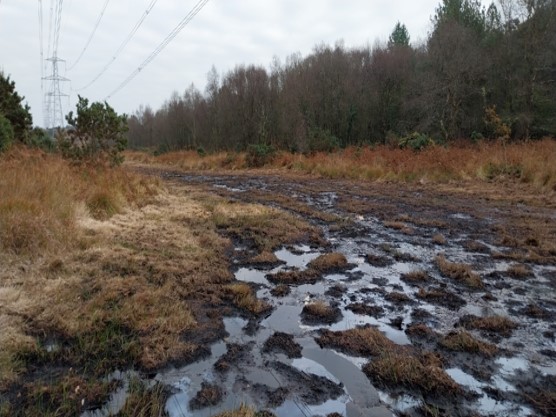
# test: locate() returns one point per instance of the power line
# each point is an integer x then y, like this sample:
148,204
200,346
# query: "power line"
122,45
91,36
41,43
196,9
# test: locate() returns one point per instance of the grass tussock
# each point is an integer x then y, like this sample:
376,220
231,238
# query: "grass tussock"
439,239
527,162
264,227
329,262
144,401
363,341
492,324
420,372
459,272
519,271
464,342
242,411
320,312
243,298
415,277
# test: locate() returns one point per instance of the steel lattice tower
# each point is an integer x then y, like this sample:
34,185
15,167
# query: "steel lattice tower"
52,106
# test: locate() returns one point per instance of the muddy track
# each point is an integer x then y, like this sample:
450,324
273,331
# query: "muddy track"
457,282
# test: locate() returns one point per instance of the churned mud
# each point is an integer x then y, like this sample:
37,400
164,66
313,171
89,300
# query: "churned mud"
412,302
442,300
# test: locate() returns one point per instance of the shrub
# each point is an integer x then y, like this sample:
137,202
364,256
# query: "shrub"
6,133
322,140
416,141
259,155
97,134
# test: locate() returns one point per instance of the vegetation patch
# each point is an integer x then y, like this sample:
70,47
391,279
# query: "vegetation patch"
242,297
145,401
439,239
319,312
459,272
397,297
492,324
415,277
414,371
329,262
234,356
362,341
366,309
280,290
441,297
209,395
378,260
295,277
463,341
283,343
519,271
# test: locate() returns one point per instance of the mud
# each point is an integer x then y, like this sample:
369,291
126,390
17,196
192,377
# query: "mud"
392,282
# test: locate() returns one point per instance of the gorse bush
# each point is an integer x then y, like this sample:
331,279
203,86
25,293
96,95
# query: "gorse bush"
96,133
322,140
6,133
259,155
416,141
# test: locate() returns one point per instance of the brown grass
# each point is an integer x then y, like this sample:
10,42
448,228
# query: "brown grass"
329,262
421,372
496,324
399,225
366,341
464,342
244,298
439,239
527,162
116,291
519,271
321,312
415,277
242,411
459,272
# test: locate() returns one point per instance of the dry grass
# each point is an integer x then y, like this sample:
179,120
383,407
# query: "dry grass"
415,277
439,239
329,262
242,411
244,298
401,226
320,312
464,342
145,402
366,341
459,272
422,372
113,288
528,162
495,324
519,271
264,227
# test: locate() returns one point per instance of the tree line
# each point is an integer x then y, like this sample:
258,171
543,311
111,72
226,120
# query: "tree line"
481,73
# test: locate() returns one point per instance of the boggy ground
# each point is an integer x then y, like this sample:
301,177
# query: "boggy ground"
457,284
450,293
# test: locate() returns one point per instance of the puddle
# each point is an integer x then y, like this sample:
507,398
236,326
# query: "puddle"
252,275
302,256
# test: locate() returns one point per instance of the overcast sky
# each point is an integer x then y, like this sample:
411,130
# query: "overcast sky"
225,33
